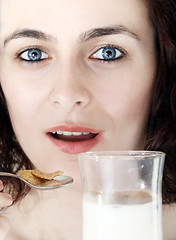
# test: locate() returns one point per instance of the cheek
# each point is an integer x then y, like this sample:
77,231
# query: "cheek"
23,103
20,101
125,100
126,105
126,108
22,91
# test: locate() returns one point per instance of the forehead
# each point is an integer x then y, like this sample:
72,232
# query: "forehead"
76,15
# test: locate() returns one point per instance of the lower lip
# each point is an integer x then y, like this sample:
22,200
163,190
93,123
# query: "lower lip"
75,147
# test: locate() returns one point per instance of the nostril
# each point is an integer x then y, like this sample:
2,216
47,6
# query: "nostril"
78,102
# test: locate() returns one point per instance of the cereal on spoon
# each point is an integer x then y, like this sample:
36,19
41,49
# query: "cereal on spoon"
37,177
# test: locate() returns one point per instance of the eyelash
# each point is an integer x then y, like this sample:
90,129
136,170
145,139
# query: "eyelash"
112,49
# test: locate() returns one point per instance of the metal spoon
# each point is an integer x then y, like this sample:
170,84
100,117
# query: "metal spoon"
62,181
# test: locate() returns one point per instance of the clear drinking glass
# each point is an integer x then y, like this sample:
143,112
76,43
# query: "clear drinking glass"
122,195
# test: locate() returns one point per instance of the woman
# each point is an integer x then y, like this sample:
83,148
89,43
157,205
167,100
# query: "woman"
79,76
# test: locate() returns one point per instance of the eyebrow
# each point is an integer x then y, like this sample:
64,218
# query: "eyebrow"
88,35
29,33
111,30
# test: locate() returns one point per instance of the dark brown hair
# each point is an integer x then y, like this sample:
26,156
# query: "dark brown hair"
161,133
161,129
12,157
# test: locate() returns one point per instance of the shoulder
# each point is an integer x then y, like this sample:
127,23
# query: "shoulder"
169,222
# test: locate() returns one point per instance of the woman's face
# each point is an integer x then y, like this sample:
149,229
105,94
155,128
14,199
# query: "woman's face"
77,76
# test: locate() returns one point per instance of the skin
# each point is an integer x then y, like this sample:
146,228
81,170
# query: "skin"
71,87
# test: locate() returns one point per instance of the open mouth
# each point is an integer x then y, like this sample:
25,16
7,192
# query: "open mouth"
74,139
73,136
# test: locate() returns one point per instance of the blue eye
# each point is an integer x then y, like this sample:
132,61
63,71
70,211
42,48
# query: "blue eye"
33,55
107,54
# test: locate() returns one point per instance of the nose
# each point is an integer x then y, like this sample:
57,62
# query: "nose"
70,90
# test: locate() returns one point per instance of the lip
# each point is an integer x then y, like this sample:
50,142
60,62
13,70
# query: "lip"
74,147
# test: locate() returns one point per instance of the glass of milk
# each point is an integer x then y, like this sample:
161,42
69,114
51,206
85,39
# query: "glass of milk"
122,195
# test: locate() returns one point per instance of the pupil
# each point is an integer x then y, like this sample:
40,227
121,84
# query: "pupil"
109,53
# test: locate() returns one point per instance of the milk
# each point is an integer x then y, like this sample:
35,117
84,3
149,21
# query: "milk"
111,221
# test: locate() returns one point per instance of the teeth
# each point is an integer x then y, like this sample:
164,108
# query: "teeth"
59,132
66,133
77,133
86,133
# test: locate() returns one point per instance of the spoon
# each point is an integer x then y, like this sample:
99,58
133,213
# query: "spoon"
50,184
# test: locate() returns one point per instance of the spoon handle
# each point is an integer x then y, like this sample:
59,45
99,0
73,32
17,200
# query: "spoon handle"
8,174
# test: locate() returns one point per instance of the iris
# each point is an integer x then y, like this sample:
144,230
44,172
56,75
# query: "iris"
109,53
34,54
